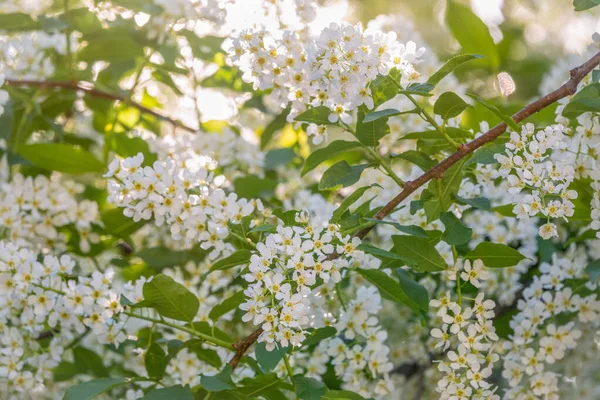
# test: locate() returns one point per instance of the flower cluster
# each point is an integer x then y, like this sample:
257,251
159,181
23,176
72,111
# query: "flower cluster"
471,334
527,164
282,272
333,70
188,202
38,297
359,354
538,338
39,210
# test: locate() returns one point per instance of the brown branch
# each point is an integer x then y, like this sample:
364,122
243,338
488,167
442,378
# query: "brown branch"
88,89
569,88
242,346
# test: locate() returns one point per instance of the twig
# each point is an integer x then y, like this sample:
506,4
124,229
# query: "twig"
568,89
88,89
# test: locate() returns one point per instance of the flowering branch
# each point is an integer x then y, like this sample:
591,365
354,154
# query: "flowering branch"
87,88
568,89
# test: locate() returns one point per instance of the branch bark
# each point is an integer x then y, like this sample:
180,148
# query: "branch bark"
569,88
88,89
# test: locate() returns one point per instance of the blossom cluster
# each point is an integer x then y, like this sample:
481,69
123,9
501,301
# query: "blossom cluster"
527,164
194,209
333,70
43,296
539,339
38,209
282,272
471,335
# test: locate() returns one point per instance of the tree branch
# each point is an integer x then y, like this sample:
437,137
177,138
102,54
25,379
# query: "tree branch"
90,90
569,88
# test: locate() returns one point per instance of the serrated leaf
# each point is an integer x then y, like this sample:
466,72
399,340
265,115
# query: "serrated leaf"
61,157
471,32
170,299
420,251
388,287
316,115
155,360
268,360
333,149
369,133
505,118
495,255
319,334
384,88
341,174
449,105
449,66
89,390
219,382
456,233
586,100
308,388
230,303
170,393
235,259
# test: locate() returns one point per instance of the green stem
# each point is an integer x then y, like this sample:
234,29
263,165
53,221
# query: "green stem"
386,166
193,332
338,291
208,394
242,239
425,114
288,367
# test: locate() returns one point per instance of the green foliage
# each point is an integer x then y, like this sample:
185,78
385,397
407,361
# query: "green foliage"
174,392
308,388
169,298
456,232
394,291
369,133
333,149
61,157
219,382
268,360
229,304
316,115
495,255
505,118
472,33
89,390
155,360
237,258
586,100
582,5
341,174
277,124
449,66
420,253
593,271
449,105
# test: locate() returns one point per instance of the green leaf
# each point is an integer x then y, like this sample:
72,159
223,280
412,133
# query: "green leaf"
420,251
209,356
279,157
277,124
118,224
89,390
582,5
252,186
505,210
230,303
237,258
318,335
449,66
369,133
111,48
485,155
18,22
266,385
174,392
348,201
227,77
264,228
384,88
415,291
593,271
388,112
456,232
316,115
376,251
308,388
333,149
417,158
219,382
413,230
505,118
341,174
61,157
170,299
268,360
481,203
443,191
87,361
471,32
126,146
586,100
341,395
162,257
495,255
155,360
388,287
449,105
